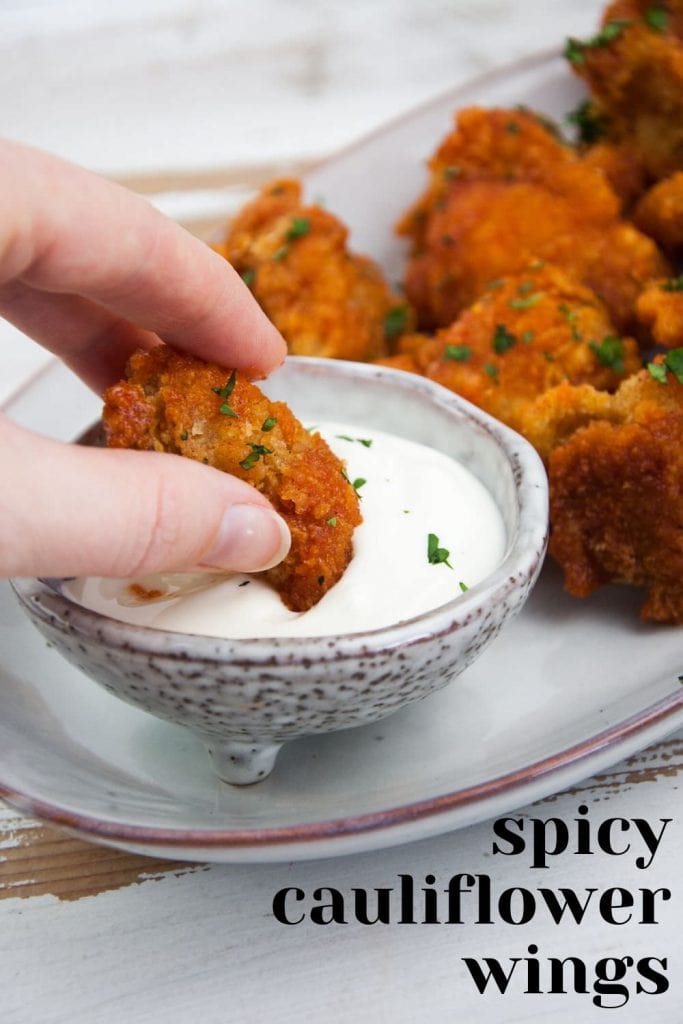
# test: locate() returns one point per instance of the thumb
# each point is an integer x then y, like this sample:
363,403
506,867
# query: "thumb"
66,510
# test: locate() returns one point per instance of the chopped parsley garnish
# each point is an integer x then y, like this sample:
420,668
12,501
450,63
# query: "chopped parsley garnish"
672,363
184,436
590,125
224,393
396,321
257,451
365,441
549,357
656,18
527,303
281,253
675,284
575,49
268,424
513,127
463,586
658,371
502,339
332,521
610,352
249,276
299,227
457,353
491,370
525,287
527,337
435,554
452,172
358,483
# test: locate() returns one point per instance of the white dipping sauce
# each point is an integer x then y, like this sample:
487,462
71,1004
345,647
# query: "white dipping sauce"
410,491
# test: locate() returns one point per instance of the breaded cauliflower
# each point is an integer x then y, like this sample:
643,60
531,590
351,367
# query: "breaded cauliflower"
176,403
324,299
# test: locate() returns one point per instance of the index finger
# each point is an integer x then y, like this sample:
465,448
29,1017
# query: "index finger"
68,231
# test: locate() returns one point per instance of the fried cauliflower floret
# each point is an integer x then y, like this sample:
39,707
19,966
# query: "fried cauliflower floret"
172,402
616,491
324,299
634,69
505,192
660,214
660,310
527,333
622,170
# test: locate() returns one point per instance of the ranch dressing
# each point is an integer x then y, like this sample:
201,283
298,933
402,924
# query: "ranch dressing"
408,492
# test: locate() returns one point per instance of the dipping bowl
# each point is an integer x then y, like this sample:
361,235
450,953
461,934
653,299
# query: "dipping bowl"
245,698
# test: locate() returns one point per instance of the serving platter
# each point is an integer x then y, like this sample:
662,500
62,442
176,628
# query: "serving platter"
569,688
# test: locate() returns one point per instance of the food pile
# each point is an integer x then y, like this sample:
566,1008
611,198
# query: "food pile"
542,284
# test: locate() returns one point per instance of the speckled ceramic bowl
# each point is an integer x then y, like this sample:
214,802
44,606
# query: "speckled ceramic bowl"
245,698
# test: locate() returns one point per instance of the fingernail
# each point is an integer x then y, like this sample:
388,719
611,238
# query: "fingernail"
251,538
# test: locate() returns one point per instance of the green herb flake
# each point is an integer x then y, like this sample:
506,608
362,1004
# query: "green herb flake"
457,353
395,322
491,371
268,424
672,363
463,586
590,125
527,337
435,554
525,287
358,483
452,172
365,441
184,436
575,49
528,302
675,284
513,127
299,227
332,521
502,339
225,408
249,276
656,18
280,254
610,352
257,452
658,371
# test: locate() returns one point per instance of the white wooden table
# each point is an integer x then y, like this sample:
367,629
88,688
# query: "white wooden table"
93,935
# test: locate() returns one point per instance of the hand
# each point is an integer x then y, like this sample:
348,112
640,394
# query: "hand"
93,272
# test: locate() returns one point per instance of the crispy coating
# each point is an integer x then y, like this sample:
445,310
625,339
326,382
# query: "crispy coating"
175,403
624,172
634,69
504,192
526,334
660,214
616,489
324,299
660,310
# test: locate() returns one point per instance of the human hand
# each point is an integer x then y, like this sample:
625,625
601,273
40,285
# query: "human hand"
93,272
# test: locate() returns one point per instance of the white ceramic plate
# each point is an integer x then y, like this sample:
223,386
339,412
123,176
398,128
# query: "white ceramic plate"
568,689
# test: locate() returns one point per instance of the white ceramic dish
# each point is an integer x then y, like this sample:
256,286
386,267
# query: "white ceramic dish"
568,689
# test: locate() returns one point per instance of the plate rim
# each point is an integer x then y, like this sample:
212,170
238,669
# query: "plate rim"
668,709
